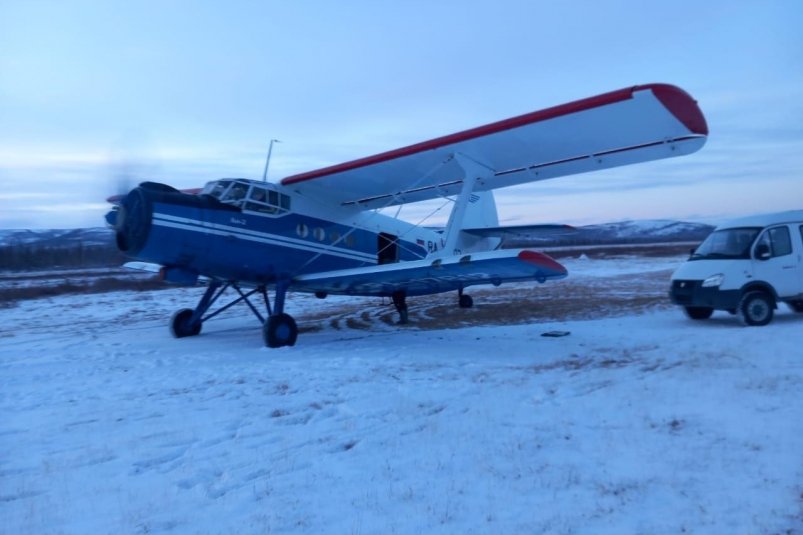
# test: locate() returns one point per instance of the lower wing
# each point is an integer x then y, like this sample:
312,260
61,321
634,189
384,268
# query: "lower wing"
435,276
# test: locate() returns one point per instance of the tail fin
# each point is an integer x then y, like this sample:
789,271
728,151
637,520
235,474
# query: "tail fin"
480,213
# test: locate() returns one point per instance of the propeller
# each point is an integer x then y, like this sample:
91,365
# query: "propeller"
128,165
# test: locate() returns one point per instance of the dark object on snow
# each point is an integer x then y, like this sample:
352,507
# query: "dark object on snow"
556,334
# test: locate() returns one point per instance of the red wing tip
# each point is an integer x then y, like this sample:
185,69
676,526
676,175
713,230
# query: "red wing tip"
543,261
681,104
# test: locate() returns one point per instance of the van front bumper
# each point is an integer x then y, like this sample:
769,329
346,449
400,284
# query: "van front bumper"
691,293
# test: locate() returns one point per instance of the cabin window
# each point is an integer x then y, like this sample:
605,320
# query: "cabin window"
302,230
319,234
285,201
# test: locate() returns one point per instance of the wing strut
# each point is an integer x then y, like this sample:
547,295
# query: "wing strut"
473,173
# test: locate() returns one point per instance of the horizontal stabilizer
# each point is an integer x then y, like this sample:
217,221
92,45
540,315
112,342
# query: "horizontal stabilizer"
521,231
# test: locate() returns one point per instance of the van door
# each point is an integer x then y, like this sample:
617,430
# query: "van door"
799,253
775,262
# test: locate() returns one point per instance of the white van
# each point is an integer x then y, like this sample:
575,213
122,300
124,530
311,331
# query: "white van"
746,267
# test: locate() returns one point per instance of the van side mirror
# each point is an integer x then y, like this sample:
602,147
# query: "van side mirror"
763,252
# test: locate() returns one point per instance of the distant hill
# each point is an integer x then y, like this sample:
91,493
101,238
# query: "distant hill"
22,250
57,237
90,247
641,231
646,230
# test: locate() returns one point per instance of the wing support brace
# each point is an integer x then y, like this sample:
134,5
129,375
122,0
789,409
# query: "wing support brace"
473,173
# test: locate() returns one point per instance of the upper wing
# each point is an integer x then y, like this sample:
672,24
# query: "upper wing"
630,125
421,277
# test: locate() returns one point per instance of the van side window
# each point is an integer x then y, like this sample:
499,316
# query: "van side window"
778,240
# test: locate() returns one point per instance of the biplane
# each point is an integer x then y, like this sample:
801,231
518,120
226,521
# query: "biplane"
323,231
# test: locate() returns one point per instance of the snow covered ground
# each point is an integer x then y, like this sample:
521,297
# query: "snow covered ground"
639,421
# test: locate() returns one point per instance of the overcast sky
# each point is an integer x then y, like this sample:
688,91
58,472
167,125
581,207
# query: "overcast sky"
184,92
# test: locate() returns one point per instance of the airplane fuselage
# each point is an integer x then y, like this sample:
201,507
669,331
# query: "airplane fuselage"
257,242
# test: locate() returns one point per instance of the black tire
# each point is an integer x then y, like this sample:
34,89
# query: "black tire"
756,308
797,306
180,326
280,330
466,301
698,313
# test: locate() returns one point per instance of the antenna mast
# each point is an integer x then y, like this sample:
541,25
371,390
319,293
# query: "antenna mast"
267,161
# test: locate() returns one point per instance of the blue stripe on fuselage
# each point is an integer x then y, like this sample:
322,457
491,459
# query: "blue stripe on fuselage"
249,247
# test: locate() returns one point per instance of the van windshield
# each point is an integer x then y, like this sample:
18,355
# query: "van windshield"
727,243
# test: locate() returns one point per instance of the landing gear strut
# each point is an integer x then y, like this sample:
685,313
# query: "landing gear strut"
279,329
400,302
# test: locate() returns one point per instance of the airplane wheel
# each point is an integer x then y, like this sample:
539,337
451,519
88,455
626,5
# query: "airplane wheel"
280,330
180,325
797,306
466,301
756,308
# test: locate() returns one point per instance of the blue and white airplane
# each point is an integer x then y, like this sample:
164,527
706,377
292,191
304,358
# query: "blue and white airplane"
322,231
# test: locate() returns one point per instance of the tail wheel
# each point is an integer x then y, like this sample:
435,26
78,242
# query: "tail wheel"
466,301
280,330
757,308
181,326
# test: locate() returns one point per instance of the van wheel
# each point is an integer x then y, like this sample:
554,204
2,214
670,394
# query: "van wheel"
797,306
756,308
698,313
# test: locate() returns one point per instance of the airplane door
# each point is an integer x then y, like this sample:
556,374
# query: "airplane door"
387,248
775,262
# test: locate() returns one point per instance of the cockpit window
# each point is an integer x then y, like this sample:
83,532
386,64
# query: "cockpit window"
249,195
267,201
258,194
236,192
216,189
